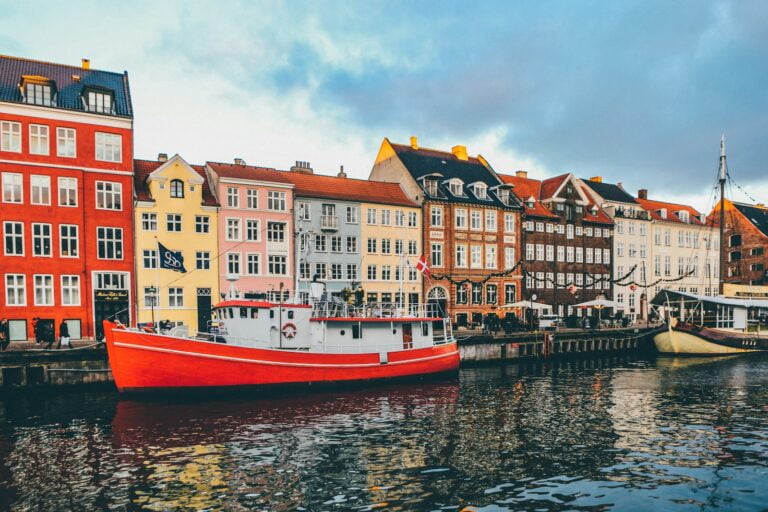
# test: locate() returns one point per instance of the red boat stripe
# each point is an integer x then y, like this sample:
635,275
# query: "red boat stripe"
275,363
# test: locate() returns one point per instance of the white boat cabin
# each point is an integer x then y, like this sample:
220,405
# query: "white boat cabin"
740,314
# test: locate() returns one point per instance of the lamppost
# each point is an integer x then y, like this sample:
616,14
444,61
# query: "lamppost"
153,297
533,298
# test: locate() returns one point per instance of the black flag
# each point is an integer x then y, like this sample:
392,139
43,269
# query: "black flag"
172,260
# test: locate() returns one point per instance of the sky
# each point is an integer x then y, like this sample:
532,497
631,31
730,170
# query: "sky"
638,92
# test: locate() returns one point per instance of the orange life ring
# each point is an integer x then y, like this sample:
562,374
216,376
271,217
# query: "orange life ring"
289,330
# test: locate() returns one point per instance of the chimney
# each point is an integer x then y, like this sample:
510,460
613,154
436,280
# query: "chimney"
302,167
414,142
642,193
620,185
521,174
460,152
162,157
596,179
341,174
239,161
86,63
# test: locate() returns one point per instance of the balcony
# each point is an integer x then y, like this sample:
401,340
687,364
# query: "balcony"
329,222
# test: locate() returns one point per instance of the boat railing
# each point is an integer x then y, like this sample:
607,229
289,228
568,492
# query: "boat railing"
340,309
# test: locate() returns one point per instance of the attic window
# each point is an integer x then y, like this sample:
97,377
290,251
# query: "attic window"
684,216
39,92
481,191
530,202
456,188
177,188
662,213
99,100
430,185
503,195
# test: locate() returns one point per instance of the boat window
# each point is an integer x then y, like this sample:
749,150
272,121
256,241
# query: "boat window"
254,313
357,331
424,329
394,331
342,332
290,315
271,313
230,313
215,315
243,312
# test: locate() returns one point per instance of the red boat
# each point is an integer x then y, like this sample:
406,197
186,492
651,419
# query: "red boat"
263,343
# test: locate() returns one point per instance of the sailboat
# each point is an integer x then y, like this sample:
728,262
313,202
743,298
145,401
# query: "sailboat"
712,325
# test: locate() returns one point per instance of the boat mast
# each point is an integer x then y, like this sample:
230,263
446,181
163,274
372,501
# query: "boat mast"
722,174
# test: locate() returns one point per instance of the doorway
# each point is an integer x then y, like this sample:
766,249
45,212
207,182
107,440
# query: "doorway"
109,305
203,309
407,336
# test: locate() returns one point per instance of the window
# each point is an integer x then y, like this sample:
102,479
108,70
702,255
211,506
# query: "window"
149,258
276,200
475,220
477,293
43,289
352,214
550,253
303,211
41,189
399,218
481,191
41,239
412,247
598,259
13,234
540,227
509,293
38,139
12,188
456,188
436,213
276,232
371,272
321,243
491,294
412,219
490,220
560,253
657,265
461,294
569,254
150,297
461,256
233,197
66,142
336,244
201,224
68,241
371,245
173,222
436,254
589,258
569,231
385,217
539,252
336,271
476,256
351,272
15,290
371,216
252,230
177,189
252,198
10,136
233,230
109,243
352,244
202,260
386,246
303,270
460,218
67,191
70,290
233,263
667,237
620,250
490,256
109,195
667,266
277,265
530,254
100,102
509,258
109,147
509,222
175,297
430,186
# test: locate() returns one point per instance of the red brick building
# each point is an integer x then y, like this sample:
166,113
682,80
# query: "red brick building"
566,238
66,153
471,227
745,242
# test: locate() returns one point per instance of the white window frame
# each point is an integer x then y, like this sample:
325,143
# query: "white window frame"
42,226
14,181
252,258
252,198
15,236
19,289
175,220
66,142
64,185
276,201
233,197
10,136
109,147
46,287
70,284
39,139
234,232
109,190
69,238
114,241
175,297
39,185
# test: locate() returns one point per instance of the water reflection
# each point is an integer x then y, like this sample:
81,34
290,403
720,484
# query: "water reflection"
580,435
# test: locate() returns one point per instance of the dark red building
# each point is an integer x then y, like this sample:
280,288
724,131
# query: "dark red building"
66,154
745,242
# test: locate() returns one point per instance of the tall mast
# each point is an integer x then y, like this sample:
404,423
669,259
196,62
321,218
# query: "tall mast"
722,174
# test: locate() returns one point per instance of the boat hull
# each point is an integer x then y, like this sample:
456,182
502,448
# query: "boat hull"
145,361
686,339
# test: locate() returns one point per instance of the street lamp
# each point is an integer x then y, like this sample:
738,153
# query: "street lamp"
533,298
153,297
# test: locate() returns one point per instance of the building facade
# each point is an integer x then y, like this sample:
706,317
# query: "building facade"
471,227
66,142
175,207
255,229
632,240
568,242
746,242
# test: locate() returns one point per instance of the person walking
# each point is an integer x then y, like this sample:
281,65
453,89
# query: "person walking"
36,329
64,336
5,334
47,334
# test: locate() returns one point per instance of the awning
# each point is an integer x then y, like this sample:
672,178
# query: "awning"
597,304
527,304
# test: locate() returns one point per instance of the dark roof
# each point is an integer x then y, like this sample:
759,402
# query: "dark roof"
69,89
247,172
610,192
757,215
143,168
422,162
347,189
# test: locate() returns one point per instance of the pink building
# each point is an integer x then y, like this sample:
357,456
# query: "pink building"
255,229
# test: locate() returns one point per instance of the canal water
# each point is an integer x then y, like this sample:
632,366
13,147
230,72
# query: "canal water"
598,434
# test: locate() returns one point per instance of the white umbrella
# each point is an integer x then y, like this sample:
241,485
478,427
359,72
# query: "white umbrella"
527,304
597,304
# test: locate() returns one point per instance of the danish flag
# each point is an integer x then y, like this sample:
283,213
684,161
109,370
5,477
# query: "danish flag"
423,267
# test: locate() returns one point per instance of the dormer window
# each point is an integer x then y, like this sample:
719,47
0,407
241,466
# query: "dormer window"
177,188
99,100
594,210
684,216
503,195
662,213
430,185
456,187
530,202
38,91
481,191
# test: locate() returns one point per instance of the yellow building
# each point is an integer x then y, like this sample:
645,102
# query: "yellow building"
174,206
390,239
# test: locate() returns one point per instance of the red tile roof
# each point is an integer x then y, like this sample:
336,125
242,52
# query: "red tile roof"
524,188
653,207
550,185
332,187
143,168
247,172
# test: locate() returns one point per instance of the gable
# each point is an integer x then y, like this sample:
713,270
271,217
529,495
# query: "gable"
176,168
